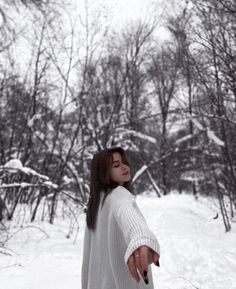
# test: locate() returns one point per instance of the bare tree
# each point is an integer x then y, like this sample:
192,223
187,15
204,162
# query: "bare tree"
164,76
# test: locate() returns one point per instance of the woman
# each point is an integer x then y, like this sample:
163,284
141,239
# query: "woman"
118,245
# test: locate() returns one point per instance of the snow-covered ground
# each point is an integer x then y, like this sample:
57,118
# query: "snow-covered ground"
195,250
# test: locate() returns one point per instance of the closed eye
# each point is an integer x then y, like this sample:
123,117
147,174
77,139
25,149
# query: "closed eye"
116,165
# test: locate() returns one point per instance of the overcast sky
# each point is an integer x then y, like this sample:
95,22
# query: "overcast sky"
121,12
115,13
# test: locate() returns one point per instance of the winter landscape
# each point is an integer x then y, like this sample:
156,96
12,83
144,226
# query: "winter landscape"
195,250
157,78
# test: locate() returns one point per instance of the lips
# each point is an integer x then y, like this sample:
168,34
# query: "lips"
126,173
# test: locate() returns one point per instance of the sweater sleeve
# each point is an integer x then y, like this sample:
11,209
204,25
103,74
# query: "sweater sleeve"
133,224
86,258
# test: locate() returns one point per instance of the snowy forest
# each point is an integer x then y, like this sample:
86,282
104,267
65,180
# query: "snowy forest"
72,84
74,89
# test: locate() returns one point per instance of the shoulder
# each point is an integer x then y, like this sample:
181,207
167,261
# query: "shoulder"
121,195
121,192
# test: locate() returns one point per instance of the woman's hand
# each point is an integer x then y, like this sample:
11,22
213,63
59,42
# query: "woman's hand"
139,261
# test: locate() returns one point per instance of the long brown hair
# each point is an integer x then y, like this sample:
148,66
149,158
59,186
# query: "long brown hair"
100,181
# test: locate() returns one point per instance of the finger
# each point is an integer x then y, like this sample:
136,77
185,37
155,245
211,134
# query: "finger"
144,261
150,256
137,261
155,258
132,268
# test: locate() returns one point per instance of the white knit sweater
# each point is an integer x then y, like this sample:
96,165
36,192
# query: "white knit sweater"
120,230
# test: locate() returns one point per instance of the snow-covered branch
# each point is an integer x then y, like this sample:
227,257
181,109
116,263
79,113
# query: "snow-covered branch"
15,165
139,172
211,135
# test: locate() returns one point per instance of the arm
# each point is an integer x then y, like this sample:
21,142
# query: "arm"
132,223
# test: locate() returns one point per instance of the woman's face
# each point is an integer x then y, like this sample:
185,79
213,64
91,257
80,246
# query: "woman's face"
120,172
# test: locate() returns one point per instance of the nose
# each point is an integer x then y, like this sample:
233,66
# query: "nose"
124,167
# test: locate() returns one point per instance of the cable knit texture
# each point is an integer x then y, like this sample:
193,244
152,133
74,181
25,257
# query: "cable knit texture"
120,230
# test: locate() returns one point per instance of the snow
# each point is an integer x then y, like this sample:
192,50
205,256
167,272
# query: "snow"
139,172
12,185
13,164
16,165
137,134
195,250
30,122
211,135
28,171
185,138
192,176
50,184
197,124
39,134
